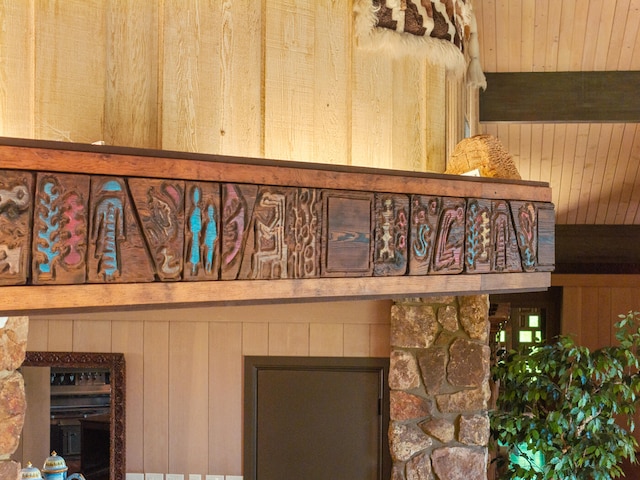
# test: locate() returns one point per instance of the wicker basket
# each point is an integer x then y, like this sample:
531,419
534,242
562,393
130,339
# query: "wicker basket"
485,153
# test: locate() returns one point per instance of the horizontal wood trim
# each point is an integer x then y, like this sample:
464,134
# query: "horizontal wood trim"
603,96
64,157
578,280
59,298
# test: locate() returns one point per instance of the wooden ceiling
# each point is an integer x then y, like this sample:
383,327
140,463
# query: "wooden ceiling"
593,168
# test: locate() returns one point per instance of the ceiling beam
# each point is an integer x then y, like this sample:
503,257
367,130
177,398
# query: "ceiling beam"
549,97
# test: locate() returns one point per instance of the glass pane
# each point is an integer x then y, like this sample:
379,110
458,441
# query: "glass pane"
538,336
525,336
534,321
502,337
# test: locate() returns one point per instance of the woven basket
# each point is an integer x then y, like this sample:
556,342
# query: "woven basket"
485,153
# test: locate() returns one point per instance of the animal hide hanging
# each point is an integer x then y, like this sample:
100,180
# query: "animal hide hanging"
443,32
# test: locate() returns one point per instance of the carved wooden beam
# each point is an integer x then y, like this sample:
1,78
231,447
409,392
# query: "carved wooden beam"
86,227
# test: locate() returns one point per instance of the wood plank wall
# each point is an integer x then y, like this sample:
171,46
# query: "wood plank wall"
184,368
591,305
277,79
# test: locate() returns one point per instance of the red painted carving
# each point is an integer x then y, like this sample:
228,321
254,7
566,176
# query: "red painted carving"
450,237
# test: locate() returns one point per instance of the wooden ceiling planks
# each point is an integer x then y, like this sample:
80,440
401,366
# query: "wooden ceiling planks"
592,167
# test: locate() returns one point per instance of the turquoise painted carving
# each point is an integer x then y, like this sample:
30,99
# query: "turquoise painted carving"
109,230
48,213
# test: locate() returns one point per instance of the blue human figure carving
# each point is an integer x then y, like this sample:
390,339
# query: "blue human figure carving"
210,235
195,226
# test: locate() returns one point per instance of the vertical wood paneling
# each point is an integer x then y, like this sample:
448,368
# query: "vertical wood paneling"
326,340
605,325
225,381
239,58
91,336
435,122
60,336
289,79
188,397
190,77
70,70
356,340
156,397
371,123
127,338
16,69
572,312
38,335
289,339
590,316
379,340
255,339
131,96
332,71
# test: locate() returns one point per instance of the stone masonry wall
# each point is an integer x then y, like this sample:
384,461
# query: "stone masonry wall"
13,346
439,380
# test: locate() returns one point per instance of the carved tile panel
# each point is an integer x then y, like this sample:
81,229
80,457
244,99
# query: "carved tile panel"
16,205
60,227
425,212
160,208
117,251
202,232
237,209
448,255
391,234
525,215
347,233
506,254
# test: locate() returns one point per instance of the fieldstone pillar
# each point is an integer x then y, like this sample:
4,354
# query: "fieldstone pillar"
439,380
13,346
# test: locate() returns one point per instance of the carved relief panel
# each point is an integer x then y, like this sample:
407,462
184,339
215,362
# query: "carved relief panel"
73,229
60,226
16,205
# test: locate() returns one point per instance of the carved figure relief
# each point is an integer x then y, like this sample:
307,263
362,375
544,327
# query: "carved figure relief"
16,193
160,206
449,247
117,251
202,233
391,234
425,212
60,229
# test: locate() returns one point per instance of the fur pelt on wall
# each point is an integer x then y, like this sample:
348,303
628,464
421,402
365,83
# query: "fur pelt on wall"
443,32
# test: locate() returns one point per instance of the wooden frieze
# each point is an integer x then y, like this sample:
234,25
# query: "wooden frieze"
74,229
60,226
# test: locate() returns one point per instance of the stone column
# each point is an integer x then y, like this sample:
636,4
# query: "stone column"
439,380
13,346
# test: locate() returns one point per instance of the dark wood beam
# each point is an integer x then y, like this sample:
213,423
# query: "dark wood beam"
561,97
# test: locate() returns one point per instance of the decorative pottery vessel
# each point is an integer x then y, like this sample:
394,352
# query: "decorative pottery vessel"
30,473
55,468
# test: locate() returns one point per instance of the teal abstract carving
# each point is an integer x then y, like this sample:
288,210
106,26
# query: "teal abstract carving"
195,227
48,235
109,230
210,235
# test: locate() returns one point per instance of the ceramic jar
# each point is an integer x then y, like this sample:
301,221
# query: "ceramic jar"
55,468
30,473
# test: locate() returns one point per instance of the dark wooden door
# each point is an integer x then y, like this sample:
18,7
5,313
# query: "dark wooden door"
316,418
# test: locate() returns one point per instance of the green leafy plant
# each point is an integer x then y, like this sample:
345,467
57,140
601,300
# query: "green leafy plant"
570,406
